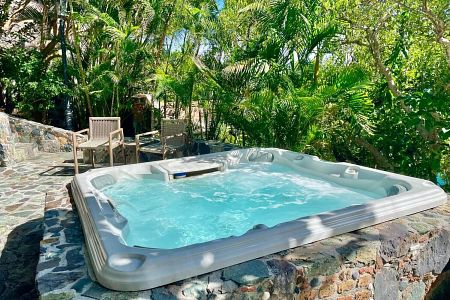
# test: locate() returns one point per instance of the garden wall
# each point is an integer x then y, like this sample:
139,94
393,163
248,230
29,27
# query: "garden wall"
47,138
16,132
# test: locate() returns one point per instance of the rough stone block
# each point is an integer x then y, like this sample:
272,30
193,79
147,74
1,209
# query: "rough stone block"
347,297
365,280
327,290
247,273
322,265
386,284
414,291
394,241
285,275
6,142
345,286
364,295
309,294
434,256
51,146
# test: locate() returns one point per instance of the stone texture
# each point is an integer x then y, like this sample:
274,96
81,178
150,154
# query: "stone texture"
434,256
22,197
327,290
365,280
247,273
365,295
415,291
7,143
394,241
386,284
285,275
20,139
66,295
314,260
345,286
47,138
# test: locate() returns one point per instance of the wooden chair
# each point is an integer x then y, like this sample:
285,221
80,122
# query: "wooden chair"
104,133
173,136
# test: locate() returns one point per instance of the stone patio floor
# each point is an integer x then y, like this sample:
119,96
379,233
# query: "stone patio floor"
23,189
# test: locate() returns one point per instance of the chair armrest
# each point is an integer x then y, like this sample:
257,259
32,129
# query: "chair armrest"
115,132
137,136
81,131
79,134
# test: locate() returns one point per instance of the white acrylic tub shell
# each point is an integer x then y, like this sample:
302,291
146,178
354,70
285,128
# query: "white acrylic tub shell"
125,268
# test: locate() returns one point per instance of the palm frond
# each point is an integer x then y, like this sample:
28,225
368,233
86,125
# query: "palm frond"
32,11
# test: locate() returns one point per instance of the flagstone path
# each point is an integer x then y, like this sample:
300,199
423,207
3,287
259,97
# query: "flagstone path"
23,189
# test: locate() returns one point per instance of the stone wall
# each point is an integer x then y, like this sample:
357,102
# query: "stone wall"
396,260
7,141
16,133
47,138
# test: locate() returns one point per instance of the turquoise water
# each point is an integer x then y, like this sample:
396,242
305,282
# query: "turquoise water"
221,204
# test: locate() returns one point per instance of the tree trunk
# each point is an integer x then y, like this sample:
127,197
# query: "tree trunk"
385,71
380,160
200,119
316,67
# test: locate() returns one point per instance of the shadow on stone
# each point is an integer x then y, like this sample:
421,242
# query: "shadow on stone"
19,260
63,171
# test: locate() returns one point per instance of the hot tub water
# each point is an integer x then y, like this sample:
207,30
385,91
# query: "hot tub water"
198,209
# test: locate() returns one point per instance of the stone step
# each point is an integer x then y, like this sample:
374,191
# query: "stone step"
24,151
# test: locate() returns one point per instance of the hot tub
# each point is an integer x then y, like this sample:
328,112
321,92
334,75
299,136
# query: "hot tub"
155,223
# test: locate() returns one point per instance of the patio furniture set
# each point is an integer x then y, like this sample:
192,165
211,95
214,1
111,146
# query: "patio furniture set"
105,133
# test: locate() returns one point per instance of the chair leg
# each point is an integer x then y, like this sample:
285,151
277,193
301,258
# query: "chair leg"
75,160
111,158
123,153
92,154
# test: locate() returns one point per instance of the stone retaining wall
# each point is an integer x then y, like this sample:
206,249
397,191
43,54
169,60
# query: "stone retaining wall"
15,131
7,141
395,260
47,138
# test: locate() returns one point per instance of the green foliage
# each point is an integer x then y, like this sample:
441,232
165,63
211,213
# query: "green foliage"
32,85
348,80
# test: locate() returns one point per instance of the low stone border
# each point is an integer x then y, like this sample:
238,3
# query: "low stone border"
399,259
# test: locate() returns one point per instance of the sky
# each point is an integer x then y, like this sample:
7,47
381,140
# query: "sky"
220,4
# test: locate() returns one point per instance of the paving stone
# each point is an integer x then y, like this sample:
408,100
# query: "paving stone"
48,264
51,222
80,285
53,281
162,294
95,291
66,295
